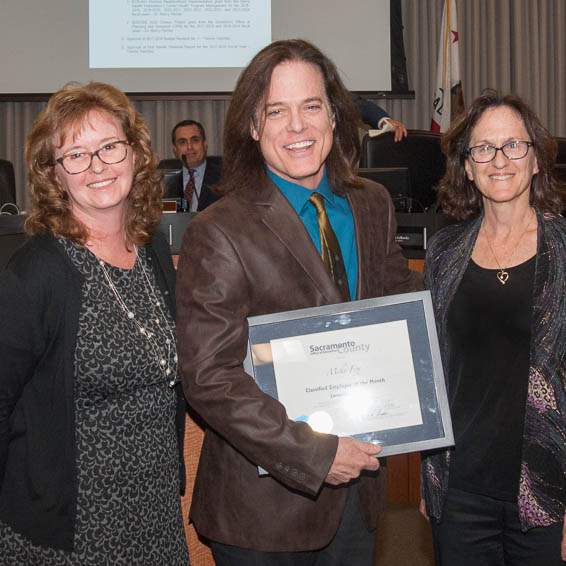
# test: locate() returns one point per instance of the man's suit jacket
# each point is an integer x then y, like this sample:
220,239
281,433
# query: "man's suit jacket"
370,112
250,254
175,189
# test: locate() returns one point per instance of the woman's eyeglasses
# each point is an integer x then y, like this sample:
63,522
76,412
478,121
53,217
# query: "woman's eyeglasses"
512,150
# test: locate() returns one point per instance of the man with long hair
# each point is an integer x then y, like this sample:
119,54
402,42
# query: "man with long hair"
290,144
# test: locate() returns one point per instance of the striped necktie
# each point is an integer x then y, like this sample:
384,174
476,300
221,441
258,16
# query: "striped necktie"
330,248
190,189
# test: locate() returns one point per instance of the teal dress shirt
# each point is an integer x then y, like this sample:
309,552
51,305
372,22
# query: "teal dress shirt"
339,214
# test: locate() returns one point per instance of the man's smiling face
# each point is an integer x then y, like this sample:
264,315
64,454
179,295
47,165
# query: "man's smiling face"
296,126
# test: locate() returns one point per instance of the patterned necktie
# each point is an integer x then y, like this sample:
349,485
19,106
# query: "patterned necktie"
190,189
329,248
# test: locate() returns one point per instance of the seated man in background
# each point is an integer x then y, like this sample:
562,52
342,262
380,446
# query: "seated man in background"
376,117
199,173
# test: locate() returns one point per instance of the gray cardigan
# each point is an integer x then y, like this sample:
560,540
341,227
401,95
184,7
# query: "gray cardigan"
40,300
542,489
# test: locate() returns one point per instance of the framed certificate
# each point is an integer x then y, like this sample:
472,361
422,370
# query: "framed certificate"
369,369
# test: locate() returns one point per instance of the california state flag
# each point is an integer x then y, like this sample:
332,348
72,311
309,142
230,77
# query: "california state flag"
448,100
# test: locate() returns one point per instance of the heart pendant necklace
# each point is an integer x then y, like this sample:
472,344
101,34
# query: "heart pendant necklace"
503,275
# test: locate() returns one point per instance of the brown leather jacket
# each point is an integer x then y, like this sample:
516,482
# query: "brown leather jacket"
249,254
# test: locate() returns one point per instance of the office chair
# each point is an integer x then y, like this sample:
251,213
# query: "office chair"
7,185
419,152
561,157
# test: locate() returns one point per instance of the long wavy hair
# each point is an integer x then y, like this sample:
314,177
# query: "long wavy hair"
243,165
64,116
459,197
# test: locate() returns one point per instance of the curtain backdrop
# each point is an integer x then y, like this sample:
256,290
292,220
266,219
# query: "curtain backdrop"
511,45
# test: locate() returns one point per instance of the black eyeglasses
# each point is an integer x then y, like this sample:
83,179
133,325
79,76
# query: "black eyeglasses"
512,150
79,161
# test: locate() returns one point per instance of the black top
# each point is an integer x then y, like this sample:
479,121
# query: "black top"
489,327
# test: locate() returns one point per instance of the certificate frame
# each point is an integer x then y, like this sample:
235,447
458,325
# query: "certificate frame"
435,427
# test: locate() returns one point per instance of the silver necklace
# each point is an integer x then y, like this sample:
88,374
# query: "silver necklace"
167,358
